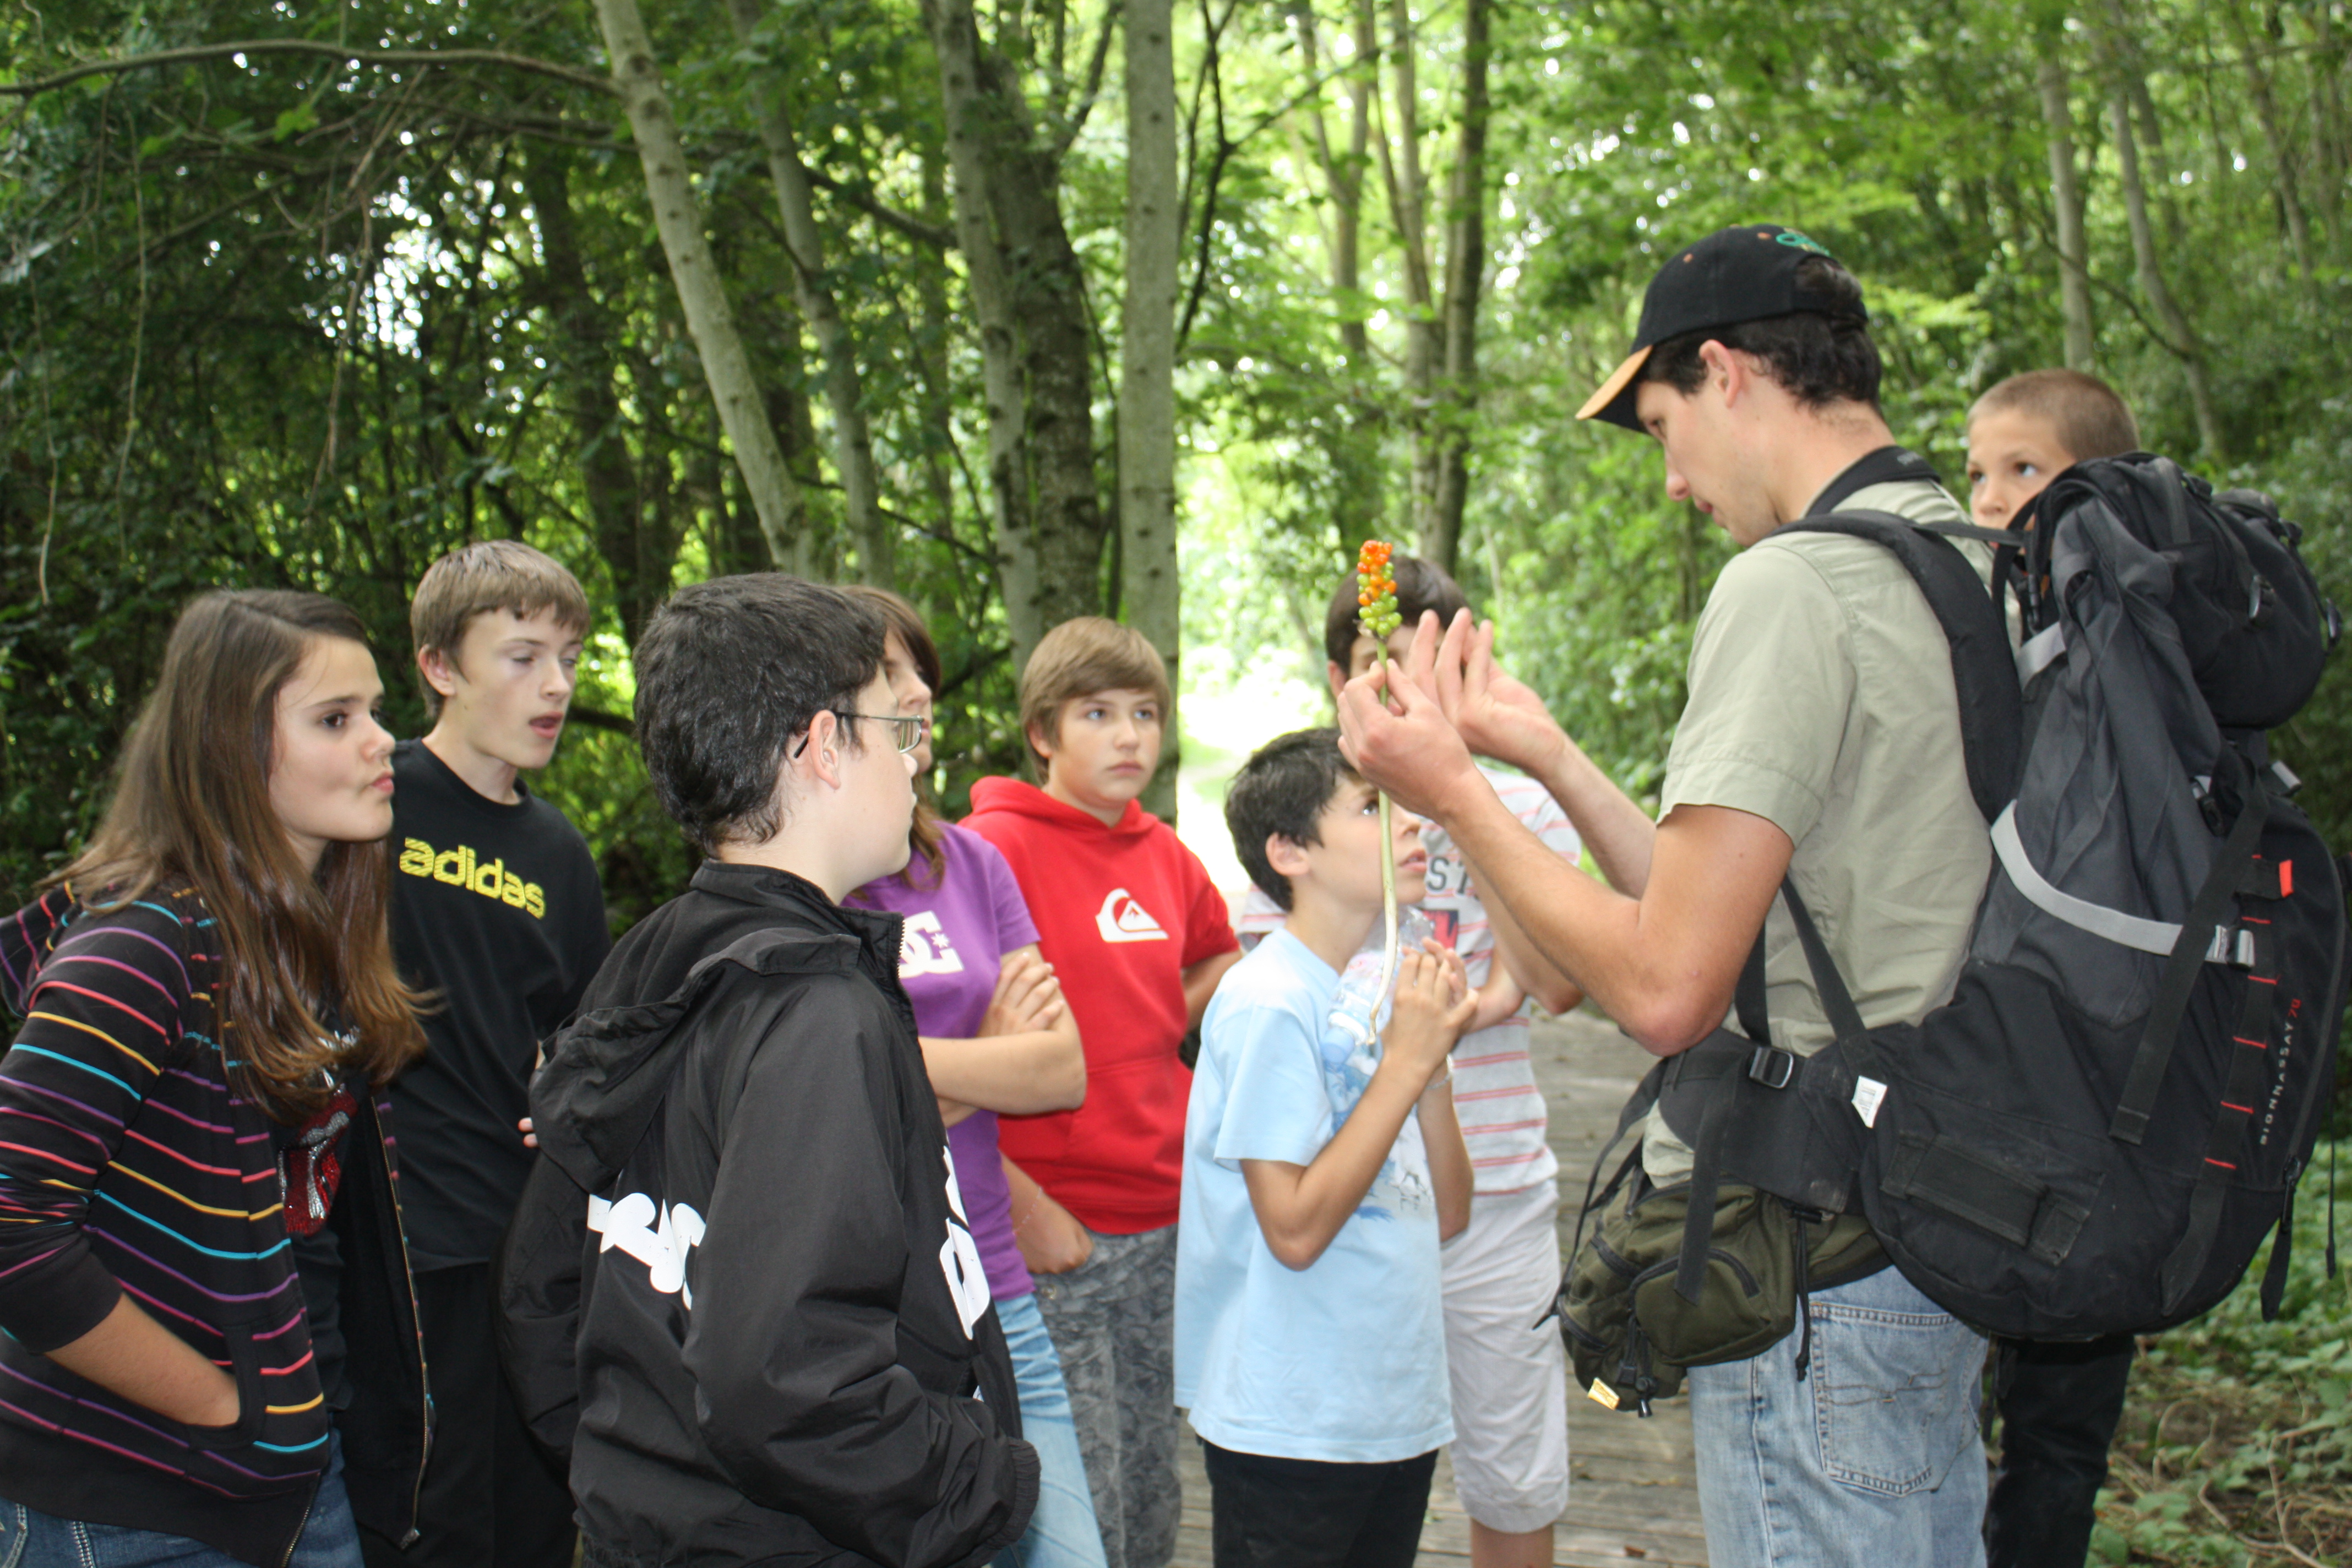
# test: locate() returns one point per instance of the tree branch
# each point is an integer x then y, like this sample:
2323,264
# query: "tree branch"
1077,120
200,52
914,229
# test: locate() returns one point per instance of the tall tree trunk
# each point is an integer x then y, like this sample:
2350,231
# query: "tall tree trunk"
701,293
1466,281
1424,330
2266,115
1343,173
957,43
2184,340
844,395
1029,295
1147,401
2066,196
2327,124
2150,123
592,405
930,356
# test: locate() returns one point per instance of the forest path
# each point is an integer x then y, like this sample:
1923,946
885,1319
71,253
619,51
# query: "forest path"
1631,1498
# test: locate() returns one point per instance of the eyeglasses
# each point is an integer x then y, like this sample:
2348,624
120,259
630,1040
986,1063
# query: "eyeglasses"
910,728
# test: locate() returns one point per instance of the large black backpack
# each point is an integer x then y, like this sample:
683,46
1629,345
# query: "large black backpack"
2097,1131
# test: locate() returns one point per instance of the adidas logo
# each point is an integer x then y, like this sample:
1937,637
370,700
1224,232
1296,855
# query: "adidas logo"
1121,919
459,867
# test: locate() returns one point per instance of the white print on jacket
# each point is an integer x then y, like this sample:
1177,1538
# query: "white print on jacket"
1121,919
926,949
661,1245
959,1258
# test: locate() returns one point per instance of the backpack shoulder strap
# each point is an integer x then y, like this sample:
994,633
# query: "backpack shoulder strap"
1984,671
1888,465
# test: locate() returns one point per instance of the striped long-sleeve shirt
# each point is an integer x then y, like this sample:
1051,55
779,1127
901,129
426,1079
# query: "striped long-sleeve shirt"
130,1166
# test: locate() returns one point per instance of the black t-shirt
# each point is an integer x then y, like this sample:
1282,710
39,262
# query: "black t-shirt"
498,908
311,1154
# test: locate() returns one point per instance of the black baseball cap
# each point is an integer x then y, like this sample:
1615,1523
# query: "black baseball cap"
1740,274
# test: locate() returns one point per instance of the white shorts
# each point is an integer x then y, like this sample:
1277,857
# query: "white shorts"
1510,1377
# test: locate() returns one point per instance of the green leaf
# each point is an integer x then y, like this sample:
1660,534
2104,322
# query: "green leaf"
295,121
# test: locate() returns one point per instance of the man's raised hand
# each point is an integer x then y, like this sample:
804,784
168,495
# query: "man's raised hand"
1395,731
1495,715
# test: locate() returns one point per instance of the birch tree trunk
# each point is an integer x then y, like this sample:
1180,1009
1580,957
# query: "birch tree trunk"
1466,281
2066,196
591,406
1029,296
1147,403
1343,174
701,293
2185,343
2323,63
1424,330
2282,149
844,394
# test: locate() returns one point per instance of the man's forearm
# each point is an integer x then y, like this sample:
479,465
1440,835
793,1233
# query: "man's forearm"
1618,832
1537,975
1636,964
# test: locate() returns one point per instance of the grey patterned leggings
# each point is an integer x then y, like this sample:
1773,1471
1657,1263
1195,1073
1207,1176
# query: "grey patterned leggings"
1113,1320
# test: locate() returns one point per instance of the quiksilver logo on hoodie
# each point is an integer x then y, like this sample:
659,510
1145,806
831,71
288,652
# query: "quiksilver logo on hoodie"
1121,919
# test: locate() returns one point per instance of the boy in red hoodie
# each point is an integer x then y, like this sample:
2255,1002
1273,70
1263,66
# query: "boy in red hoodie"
1138,936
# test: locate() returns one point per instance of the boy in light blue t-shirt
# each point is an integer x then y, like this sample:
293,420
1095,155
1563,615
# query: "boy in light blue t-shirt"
1319,1177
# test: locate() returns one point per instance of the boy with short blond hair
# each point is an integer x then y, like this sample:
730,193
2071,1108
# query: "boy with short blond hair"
1323,1168
2025,431
496,908
1130,921
1078,659
2059,1402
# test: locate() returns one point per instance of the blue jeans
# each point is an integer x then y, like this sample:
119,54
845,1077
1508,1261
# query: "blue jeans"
1873,1461
1062,1533
32,1540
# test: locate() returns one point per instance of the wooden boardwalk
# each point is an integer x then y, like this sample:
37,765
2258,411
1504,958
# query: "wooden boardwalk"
1631,1496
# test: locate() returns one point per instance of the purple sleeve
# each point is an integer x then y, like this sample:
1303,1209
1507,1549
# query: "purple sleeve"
1014,928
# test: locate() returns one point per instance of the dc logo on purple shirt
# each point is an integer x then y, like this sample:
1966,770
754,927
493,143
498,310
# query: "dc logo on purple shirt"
926,949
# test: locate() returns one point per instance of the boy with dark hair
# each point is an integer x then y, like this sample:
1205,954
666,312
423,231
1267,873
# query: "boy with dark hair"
2059,1402
1138,935
1821,745
1509,1377
774,1333
497,910
1321,1177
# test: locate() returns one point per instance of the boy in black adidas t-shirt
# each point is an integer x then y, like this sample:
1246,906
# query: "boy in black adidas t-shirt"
497,908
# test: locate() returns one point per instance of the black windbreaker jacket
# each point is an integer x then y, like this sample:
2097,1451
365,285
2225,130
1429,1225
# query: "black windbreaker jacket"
739,1288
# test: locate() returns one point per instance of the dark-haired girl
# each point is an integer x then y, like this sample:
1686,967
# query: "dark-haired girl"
996,1037
210,1352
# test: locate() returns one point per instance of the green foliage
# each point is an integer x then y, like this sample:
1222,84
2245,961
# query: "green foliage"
2237,1437
287,320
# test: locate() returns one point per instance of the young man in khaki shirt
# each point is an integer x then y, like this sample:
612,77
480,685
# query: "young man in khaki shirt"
1822,742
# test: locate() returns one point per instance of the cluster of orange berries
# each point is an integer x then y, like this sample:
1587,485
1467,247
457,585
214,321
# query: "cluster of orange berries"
1376,590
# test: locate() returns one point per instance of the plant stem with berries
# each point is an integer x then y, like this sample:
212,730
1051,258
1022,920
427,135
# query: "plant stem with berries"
1377,604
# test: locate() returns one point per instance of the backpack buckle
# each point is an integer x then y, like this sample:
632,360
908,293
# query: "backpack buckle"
1772,1067
2233,946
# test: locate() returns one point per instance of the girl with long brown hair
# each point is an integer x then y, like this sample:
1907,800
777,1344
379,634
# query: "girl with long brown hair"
210,1352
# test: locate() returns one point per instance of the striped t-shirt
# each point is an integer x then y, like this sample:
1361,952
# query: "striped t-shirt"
1502,1112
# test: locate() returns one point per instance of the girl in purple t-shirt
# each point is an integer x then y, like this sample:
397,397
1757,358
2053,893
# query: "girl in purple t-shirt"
997,1036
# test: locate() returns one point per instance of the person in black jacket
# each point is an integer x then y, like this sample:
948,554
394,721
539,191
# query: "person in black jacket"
739,1289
